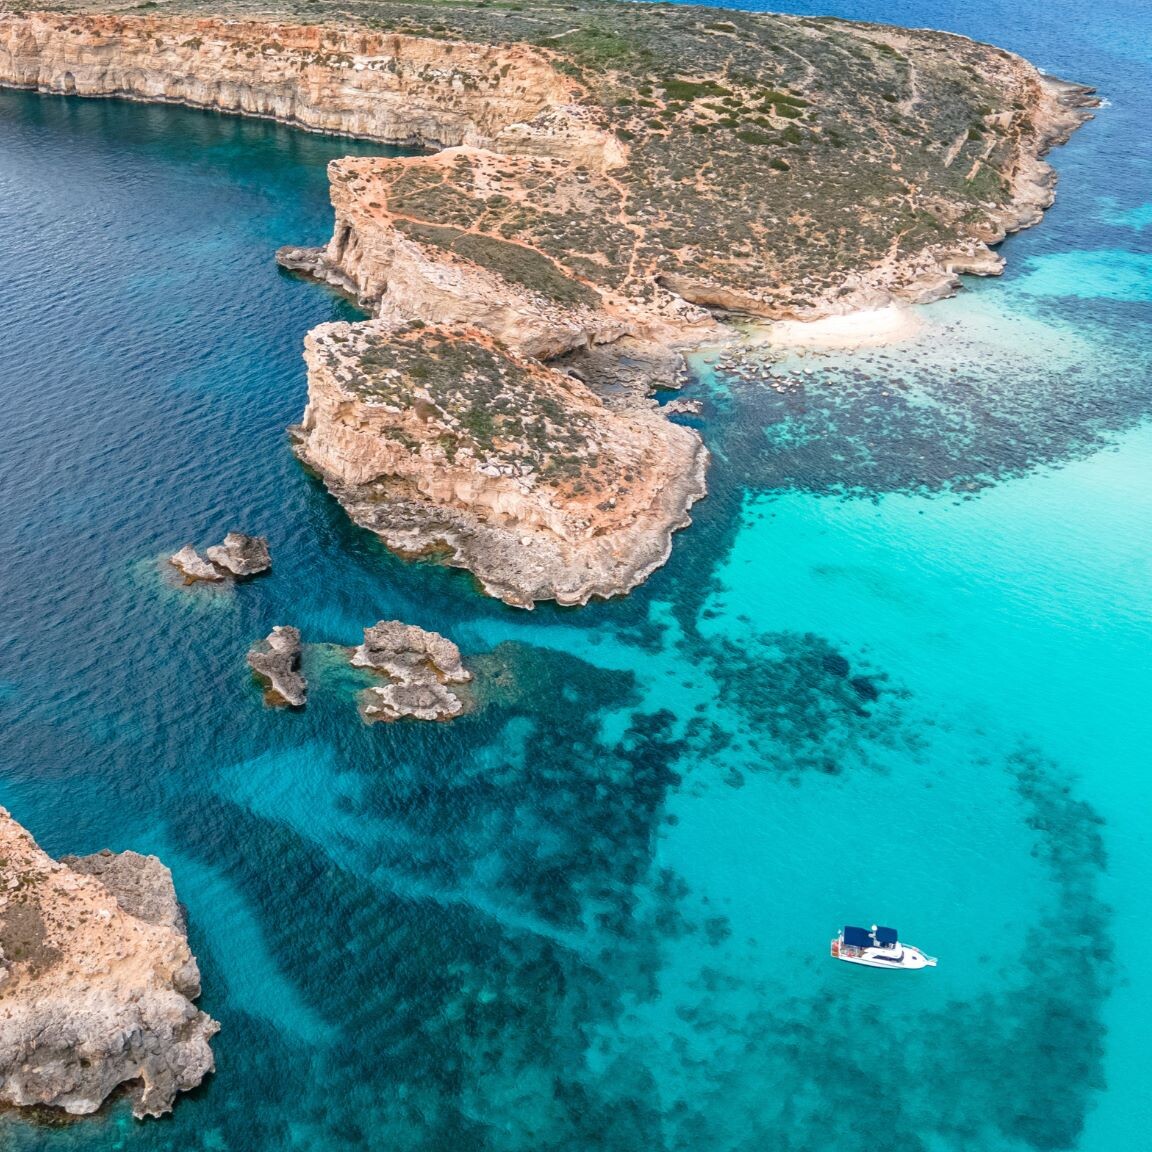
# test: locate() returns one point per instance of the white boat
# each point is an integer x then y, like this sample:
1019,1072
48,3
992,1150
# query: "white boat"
878,947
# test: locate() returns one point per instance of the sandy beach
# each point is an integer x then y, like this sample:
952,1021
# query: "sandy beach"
864,329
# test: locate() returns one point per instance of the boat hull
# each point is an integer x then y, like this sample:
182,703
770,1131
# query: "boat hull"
905,958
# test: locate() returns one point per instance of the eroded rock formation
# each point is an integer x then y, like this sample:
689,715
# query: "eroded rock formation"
241,555
443,442
97,984
421,668
276,660
194,566
238,558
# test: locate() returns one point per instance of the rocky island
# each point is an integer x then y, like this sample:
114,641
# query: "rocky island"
610,182
423,673
240,557
276,662
96,981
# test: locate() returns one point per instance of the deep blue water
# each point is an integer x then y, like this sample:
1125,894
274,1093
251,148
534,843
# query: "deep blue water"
896,670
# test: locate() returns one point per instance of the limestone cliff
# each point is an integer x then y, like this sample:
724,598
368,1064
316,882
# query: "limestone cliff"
403,89
96,981
446,443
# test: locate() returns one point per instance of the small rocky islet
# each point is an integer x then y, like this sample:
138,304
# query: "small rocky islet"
239,557
276,661
421,667
424,671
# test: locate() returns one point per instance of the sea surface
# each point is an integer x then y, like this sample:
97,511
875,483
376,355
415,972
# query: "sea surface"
899,670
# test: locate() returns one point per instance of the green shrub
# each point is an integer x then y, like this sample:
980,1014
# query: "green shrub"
693,89
516,264
771,96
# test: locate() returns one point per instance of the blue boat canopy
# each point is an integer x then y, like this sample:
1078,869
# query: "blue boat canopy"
868,937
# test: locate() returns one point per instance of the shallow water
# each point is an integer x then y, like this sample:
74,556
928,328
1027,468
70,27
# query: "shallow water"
897,670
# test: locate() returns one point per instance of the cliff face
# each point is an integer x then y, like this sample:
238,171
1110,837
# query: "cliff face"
445,443
96,981
397,88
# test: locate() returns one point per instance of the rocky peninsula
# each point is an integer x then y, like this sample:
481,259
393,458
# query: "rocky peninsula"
611,182
96,981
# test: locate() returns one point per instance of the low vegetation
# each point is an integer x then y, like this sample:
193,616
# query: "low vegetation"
766,154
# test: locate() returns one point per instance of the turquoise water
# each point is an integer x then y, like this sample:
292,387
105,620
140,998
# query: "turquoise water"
896,670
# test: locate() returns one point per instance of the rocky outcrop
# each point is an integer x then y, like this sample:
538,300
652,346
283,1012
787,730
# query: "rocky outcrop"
238,558
406,652
444,443
97,983
142,885
276,660
241,556
194,566
421,668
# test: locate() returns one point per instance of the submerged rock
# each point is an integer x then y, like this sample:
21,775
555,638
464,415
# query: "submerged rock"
241,555
419,665
194,566
276,660
96,983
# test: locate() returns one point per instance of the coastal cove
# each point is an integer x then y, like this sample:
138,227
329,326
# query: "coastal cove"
895,669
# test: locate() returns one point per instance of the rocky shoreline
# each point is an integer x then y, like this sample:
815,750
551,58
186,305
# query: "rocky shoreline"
611,210
97,982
